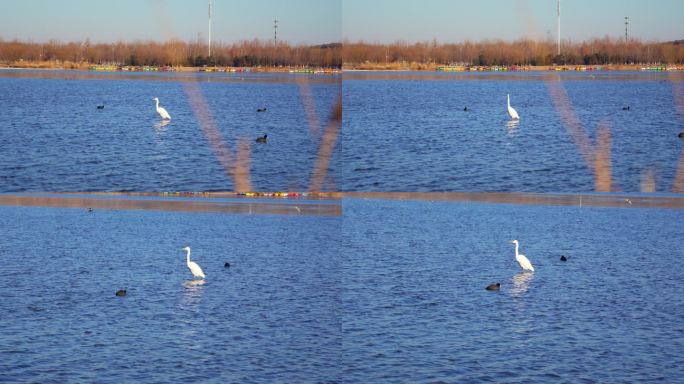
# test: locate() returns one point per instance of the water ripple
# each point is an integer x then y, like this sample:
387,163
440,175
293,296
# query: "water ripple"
413,134
75,147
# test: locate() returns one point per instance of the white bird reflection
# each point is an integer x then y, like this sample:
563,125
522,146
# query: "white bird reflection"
193,284
512,126
192,294
521,283
161,125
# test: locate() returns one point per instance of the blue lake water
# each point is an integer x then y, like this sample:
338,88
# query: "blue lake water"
415,307
271,317
401,132
55,139
390,292
408,131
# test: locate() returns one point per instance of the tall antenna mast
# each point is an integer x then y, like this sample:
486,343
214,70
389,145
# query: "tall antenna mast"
626,24
558,12
209,28
275,32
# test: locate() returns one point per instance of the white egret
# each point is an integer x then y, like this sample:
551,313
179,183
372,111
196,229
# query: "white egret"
194,267
511,111
522,260
161,111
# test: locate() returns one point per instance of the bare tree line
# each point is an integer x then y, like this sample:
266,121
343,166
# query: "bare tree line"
175,53
596,51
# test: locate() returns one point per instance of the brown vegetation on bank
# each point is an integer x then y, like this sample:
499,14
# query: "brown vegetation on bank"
171,53
525,52
359,55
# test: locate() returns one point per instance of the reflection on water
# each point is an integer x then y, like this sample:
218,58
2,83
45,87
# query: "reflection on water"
160,126
521,282
192,284
177,203
191,301
512,126
192,294
165,76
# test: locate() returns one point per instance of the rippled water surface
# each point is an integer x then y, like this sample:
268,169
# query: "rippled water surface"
390,292
273,316
401,132
415,308
55,139
408,131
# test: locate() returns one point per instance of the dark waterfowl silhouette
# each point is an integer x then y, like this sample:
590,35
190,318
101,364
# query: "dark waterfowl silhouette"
466,109
493,287
121,292
100,106
261,139
261,109
626,108
681,135
563,258
226,265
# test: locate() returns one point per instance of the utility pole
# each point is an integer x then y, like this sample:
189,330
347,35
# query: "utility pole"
275,32
209,29
626,24
558,13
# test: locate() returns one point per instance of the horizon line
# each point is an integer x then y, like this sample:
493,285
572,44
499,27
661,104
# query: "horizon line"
343,41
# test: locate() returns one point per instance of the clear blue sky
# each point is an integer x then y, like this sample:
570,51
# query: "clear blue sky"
322,21
456,20
300,21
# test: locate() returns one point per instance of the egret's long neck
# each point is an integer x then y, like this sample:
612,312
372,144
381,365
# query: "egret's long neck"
516,250
508,102
187,256
157,101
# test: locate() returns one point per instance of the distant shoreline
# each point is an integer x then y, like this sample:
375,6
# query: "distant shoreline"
418,67
366,67
66,65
